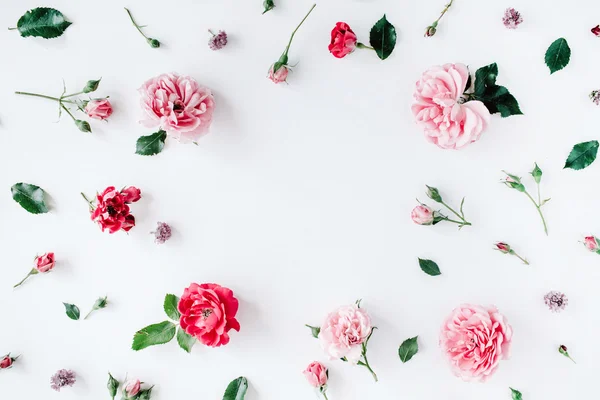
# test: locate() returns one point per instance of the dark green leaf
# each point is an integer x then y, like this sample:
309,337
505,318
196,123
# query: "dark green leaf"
30,197
516,395
315,330
383,38
237,389
154,334
145,394
151,144
408,349
170,306
496,98
582,155
429,267
484,77
42,22
185,341
558,55
72,311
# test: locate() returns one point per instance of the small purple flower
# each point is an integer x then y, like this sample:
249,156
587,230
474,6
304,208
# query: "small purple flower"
595,97
556,301
162,233
62,378
512,18
218,41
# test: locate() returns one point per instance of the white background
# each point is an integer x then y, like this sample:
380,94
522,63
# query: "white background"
299,199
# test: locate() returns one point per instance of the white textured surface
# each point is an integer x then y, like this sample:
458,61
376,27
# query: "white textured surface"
299,199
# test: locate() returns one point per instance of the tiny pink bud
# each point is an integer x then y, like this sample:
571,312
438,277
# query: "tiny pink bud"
45,262
132,388
99,109
316,374
590,243
280,75
6,362
596,30
422,215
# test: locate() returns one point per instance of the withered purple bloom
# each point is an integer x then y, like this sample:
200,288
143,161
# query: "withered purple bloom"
62,378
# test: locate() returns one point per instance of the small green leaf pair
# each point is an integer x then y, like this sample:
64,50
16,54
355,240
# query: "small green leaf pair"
42,22
164,332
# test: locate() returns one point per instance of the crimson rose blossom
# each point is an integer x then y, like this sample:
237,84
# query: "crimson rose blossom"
596,30
112,211
208,313
343,40
179,105
99,109
6,362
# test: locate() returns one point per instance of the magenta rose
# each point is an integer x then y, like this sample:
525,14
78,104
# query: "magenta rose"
343,40
45,262
441,111
179,105
99,109
474,339
316,374
6,362
422,215
280,75
112,209
208,313
344,331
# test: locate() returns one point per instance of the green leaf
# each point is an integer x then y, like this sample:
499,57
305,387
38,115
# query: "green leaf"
170,306
582,155
558,55
185,341
408,349
112,385
496,98
30,197
314,330
516,395
42,22
151,144
536,173
237,389
72,311
268,5
484,77
383,38
154,334
429,267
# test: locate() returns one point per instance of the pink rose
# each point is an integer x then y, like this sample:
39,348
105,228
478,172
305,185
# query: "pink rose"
45,262
475,339
179,105
439,109
343,40
6,362
131,194
280,75
344,331
132,388
208,313
591,243
99,109
422,215
316,374
503,247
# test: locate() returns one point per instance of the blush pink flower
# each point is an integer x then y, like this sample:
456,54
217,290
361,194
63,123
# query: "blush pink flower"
132,388
208,313
179,105
45,262
422,215
99,109
591,243
344,331
280,75
475,339
440,110
316,374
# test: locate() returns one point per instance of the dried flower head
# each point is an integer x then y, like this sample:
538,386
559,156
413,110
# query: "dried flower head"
217,41
512,18
162,233
595,97
556,301
62,378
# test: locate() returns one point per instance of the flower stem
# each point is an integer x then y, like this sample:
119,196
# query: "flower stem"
32,272
88,314
298,27
68,112
444,11
363,46
71,95
88,201
39,95
521,258
12,29
325,396
134,23
454,212
537,206
465,223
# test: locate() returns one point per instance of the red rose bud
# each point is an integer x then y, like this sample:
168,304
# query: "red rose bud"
343,40
6,362
503,247
596,30
430,31
563,350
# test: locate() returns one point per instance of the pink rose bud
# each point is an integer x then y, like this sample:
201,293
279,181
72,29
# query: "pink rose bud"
132,388
590,243
316,374
6,362
131,194
422,215
45,262
596,30
503,247
280,75
99,109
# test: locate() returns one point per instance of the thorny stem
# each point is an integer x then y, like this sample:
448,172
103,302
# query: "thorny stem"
134,23
537,206
443,12
298,27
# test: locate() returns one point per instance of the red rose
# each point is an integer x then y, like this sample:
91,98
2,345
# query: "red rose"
45,262
112,211
343,40
596,30
6,362
208,313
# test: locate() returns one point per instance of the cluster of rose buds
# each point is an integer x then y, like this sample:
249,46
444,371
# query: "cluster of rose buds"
424,215
42,264
317,376
432,29
512,18
7,361
131,390
99,108
505,248
111,210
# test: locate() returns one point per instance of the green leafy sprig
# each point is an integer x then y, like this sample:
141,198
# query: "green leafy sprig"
438,217
496,98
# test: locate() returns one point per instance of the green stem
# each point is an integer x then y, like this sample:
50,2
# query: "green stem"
88,314
32,272
363,46
521,258
12,29
454,212
325,396
539,211
43,96
88,201
68,112
457,222
444,11
298,27
71,95
134,24
539,197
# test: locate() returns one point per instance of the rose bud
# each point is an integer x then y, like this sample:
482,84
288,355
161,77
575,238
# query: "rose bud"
596,30
278,73
316,374
83,126
268,5
131,194
91,86
112,386
155,44
503,247
7,361
132,388
514,182
430,31
591,243
563,350
434,194
422,215
44,263
98,109
343,40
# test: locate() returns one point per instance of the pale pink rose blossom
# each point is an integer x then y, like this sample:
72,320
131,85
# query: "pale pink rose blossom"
99,109
422,215
280,75
179,105
344,331
441,112
316,374
474,339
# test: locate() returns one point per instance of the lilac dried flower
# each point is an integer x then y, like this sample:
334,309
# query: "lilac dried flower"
62,378
595,97
218,41
512,18
556,301
162,233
